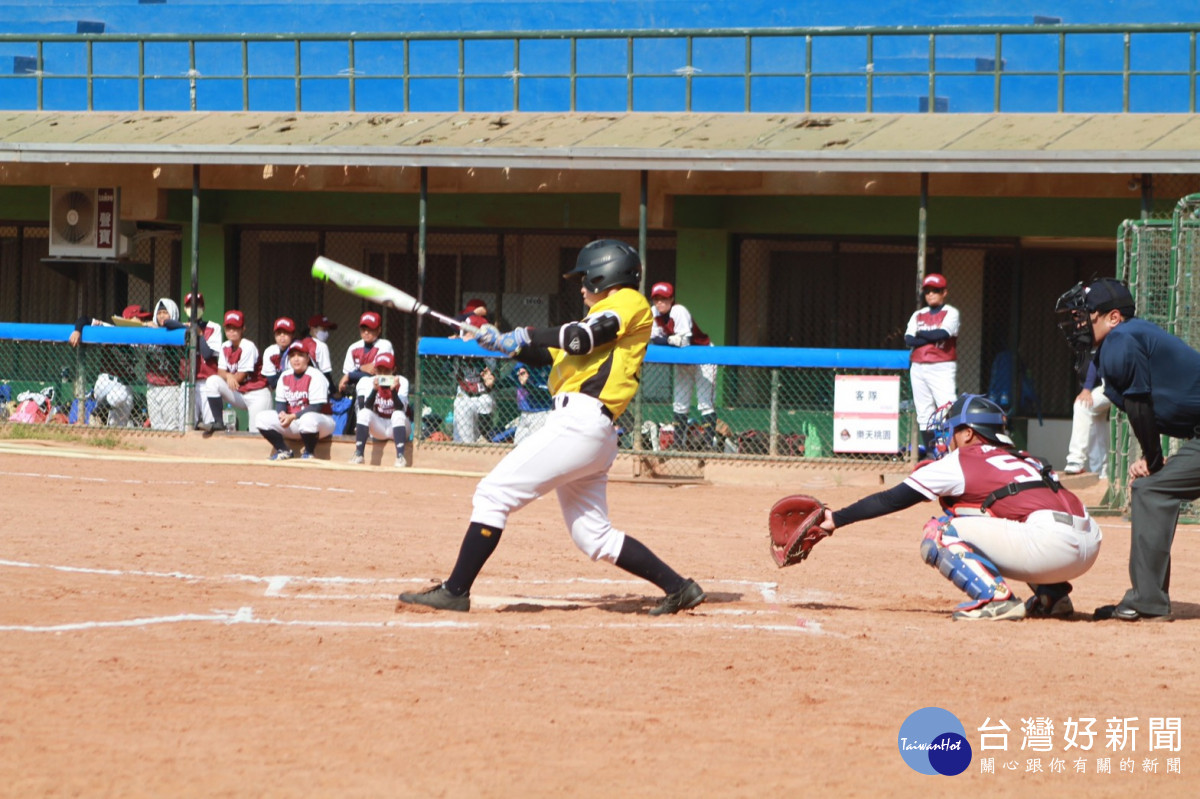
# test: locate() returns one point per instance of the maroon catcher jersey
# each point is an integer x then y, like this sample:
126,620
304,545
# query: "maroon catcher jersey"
967,476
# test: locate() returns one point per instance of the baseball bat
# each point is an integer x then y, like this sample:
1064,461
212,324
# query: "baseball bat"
375,290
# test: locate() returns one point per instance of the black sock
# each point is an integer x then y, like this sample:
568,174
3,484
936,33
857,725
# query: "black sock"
400,435
478,545
275,437
310,442
638,560
361,432
217,407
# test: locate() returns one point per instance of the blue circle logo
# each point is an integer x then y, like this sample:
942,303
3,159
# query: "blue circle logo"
933,741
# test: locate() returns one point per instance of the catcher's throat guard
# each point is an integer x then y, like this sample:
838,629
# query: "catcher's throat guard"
793,528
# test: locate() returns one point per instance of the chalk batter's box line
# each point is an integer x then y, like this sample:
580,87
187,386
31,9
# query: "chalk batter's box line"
277,585
275,590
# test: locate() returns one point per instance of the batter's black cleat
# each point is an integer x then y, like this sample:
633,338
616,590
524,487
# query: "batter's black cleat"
438,598
1126,613
685,598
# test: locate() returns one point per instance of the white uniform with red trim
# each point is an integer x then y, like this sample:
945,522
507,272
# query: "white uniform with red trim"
678,325
297,392
1037,535
386,411
934,367
253,395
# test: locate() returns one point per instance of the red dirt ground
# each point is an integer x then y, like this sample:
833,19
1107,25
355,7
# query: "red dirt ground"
181,628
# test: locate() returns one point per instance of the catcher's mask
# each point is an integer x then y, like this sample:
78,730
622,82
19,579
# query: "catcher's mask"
1074,319
978,413
941,433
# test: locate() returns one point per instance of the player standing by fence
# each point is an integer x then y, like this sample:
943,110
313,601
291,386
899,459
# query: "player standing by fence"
932,335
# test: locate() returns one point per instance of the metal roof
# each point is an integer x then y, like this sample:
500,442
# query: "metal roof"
1063,143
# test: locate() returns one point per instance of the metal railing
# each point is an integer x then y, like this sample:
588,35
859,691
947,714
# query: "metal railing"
985,69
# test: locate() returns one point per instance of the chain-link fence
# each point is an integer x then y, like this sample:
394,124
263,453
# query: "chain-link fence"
1160,259
766,405
115,377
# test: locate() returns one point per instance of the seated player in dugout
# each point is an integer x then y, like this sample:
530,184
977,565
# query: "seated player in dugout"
382,404
596,365
301,406
1006,516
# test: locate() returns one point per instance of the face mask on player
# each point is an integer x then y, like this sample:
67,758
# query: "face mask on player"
942,432
320,334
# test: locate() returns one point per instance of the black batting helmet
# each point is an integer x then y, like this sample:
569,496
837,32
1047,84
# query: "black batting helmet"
981,415
607,263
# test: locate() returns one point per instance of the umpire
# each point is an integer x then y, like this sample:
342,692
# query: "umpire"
1155,378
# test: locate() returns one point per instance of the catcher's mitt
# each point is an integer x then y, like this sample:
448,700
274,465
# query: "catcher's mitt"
793,528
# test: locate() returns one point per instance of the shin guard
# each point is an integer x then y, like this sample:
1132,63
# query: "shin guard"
958,562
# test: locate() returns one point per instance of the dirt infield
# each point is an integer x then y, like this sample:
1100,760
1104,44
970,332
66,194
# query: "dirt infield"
175,628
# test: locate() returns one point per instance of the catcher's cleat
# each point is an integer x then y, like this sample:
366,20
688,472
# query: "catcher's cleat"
1010,609
685,598
438,598
281,455
1050,601
356,458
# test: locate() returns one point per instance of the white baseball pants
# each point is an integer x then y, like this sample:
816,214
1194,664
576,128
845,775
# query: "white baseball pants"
320,423
701,378
1089,433
467,410
380,426
932,387
253,402
1048,547
571,453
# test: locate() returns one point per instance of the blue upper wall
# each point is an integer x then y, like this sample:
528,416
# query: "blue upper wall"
967,81
306,16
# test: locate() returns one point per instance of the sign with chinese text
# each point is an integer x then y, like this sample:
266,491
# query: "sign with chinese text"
866,413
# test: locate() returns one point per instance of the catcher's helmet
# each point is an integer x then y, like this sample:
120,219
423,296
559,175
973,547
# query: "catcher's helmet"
978,413
607,263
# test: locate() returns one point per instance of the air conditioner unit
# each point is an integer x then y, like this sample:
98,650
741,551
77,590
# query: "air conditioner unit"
86,223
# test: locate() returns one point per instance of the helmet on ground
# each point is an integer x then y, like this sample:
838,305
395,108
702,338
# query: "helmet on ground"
978,413
607,263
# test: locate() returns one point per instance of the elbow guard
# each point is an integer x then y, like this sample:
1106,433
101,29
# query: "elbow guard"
579,338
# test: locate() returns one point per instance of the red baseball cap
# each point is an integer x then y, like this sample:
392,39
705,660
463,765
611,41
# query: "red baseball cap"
386,360
304,345
286,324
370,319
321,320
934,281
473,304
235,319
662,290
135,312
199,298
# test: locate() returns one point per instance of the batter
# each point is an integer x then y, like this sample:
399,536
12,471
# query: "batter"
595,365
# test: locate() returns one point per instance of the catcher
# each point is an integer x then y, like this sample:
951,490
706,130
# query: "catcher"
1006,516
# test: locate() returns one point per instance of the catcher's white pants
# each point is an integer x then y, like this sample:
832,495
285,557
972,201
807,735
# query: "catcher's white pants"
253,402
932,387
1048,547
166,407
320,423
701,378
571,453
1089,433
381,426
467,410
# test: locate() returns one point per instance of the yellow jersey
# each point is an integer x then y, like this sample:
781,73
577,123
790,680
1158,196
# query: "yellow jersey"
611,372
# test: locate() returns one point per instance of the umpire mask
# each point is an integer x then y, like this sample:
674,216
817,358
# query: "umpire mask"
1074,320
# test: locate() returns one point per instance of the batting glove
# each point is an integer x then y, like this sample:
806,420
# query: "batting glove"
675,341
511,342
487,337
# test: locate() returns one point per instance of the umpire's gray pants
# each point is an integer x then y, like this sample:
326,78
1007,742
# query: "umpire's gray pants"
1154,512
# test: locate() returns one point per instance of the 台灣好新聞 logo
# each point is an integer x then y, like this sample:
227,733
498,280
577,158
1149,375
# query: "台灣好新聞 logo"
933,741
